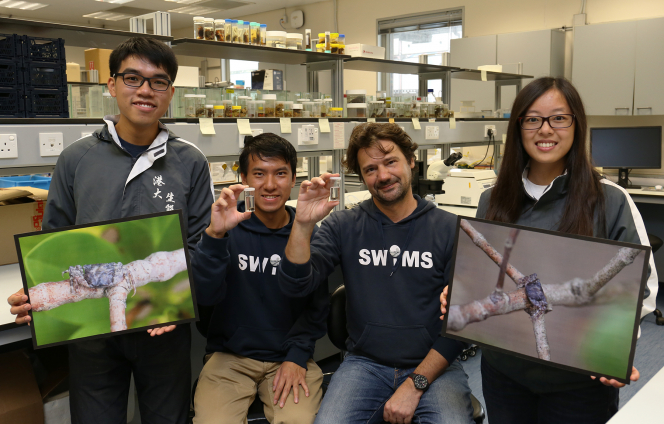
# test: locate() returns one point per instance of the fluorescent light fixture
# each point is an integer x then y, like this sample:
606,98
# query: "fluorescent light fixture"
195,10
23,5
115,1
185,1
107,16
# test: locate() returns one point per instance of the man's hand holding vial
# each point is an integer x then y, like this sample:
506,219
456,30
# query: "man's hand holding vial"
317,198
224,215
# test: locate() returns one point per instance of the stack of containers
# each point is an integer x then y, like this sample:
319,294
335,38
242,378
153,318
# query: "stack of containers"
33,77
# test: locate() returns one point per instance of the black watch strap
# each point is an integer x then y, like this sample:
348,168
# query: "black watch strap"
420,381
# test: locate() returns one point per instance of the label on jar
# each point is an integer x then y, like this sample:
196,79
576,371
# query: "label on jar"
279,45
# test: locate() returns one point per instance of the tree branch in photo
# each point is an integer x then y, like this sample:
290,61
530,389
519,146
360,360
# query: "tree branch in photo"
159,266
532,296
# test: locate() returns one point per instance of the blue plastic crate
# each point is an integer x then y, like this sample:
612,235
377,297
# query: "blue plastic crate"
44,75
11,46
42,103
12,103
35,181
11,74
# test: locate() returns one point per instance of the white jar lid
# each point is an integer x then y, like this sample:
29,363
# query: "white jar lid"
209,106
288,103
200,96
244,97
356,92
327,100
309,103
207,20
260,102
294,35
107,94
377,102
297,106
318,100
186,95
275,33
356,105
303,100
196,18
250,189
269,97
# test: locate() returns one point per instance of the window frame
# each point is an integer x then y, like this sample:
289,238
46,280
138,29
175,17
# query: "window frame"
383,82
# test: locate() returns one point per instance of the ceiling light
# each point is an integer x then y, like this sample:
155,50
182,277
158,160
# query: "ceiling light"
195,10
115,1
185,1
23,5
107,16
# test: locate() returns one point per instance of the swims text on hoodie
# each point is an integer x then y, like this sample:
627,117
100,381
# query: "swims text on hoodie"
393,302
252,317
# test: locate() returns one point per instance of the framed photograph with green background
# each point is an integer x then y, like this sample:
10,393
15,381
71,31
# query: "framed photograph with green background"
112,277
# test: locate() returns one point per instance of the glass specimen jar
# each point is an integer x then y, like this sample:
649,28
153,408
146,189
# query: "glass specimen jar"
209,111
376,109
209,29
199,28
260,108
194,105
335,112
276,39
228,108
270,104
288,109
357,110
298,109
236,111
294,41
335,188
219,25
218,111
249,200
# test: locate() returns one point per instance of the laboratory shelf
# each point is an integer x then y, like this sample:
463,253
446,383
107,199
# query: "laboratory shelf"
74,35
476,75
393,66
220,49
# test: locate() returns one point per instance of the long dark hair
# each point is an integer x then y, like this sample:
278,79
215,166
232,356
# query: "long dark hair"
585,197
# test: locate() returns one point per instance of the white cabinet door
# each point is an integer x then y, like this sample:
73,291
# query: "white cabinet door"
603,67
649,74
542,54
469,53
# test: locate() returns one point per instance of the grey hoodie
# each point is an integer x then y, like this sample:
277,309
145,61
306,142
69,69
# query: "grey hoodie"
95,179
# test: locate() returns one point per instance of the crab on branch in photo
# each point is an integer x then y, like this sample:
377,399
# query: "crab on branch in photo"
573,302
100,279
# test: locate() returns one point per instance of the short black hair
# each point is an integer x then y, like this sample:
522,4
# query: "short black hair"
265,146
153,51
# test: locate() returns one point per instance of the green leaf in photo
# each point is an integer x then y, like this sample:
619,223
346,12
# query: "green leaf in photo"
51,329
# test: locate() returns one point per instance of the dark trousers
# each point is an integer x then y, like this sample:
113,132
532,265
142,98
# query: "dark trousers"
508,402
100,372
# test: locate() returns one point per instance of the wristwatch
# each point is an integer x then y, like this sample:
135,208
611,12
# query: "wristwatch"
420,381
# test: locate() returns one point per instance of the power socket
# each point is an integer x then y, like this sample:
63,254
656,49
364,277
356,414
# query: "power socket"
307,134
432,132
50,144
489,127
8,146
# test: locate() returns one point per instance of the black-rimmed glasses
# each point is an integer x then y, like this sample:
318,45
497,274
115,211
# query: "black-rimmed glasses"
135,80
555,121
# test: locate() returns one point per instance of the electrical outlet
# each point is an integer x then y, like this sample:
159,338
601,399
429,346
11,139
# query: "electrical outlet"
307,134
432,132
50,144
8,146
489,127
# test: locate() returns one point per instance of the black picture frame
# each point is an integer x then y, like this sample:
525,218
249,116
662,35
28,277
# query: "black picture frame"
183,232
637,313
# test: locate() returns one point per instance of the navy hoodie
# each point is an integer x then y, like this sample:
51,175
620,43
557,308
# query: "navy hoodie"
252,317
393,304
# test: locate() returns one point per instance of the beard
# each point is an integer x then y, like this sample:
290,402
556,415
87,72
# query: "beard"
396,194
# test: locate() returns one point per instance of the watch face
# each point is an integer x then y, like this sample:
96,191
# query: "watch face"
420,381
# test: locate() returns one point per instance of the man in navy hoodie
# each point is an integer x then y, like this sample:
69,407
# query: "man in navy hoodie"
261,340
395,251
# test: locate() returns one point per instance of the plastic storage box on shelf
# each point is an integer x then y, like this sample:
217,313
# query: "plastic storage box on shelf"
365,50
12,103
86,101
276,39
356,96
294,41
194,105
110,104
357,110
36,181
376,109
335,112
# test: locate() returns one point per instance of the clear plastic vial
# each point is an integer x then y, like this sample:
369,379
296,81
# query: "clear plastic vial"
249,199
335,188
263,33
228,30
307,40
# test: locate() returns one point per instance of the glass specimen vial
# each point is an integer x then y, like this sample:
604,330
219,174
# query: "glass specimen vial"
335,188
242,101
263,28
236,111
297,110
209,29
246,33
288,109
228,108
209,111
270,104
260,108
199,28
376,109
194,105
307,40
335,112
249,200
255,33
251,109
236,31
218,111
219,25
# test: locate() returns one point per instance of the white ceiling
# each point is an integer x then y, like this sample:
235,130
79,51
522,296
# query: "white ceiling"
72,11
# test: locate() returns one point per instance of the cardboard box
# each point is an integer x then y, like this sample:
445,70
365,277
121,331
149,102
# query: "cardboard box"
21,211
98,59
187,77
20,399
267,79
73,72
365,50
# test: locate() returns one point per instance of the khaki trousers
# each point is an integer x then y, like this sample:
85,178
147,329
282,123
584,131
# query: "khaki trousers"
228,385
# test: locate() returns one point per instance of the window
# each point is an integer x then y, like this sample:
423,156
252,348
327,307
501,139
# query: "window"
406,38
241,70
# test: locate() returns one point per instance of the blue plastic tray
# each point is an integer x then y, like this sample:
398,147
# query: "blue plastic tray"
35,181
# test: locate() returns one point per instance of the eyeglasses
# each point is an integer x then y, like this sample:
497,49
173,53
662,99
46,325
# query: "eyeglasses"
555,121
135,80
